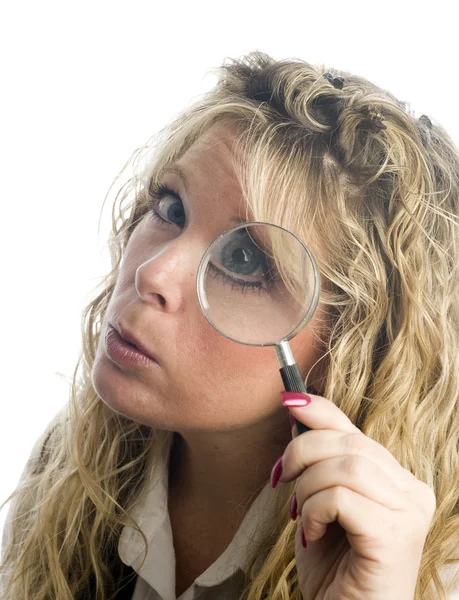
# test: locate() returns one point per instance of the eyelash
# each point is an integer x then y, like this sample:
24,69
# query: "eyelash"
157,191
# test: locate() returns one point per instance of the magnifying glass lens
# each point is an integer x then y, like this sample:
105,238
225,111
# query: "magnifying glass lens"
257,283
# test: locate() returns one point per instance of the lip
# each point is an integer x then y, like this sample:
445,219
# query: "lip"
120,350
129,337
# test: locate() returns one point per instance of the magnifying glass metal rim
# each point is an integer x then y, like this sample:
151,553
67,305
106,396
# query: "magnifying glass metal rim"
313,304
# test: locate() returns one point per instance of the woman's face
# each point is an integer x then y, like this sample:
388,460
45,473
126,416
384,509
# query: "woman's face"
202,380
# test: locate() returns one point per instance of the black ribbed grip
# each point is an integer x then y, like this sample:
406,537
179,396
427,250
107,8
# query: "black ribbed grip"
293,382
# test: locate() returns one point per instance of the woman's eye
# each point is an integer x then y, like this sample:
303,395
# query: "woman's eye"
166,206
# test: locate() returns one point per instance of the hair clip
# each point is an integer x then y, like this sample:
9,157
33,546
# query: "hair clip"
336,82
373,121
426,121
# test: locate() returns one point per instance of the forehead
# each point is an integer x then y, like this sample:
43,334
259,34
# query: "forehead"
212,152
207,171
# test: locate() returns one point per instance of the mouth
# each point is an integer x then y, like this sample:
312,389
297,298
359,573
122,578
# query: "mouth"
132,340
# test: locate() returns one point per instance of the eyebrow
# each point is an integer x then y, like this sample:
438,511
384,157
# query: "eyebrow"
178,170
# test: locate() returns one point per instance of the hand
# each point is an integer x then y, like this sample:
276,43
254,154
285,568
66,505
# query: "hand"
378,513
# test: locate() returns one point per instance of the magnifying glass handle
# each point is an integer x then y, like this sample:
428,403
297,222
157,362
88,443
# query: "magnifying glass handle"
291,376
293,382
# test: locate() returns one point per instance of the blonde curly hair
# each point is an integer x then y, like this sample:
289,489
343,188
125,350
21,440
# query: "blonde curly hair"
383,204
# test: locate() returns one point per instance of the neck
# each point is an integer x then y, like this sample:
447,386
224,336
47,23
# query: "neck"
223,472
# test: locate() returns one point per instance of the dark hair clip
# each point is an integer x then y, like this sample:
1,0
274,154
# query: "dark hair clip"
373,121
426,121
336,82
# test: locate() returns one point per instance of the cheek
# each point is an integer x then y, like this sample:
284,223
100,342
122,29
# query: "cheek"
246,380
239,379
232,372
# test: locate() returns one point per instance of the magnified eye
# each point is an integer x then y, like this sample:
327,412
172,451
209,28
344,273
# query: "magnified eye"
241,262
167,202
241,257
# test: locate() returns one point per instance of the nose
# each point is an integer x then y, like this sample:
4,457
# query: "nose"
167,280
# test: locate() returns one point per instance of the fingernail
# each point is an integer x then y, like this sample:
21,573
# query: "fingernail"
292,420
303,539
276,472
293,507
295,399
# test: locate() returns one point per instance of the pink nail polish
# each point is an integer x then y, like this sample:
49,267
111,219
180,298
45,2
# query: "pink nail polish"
295,399
276,472
292,420
303,539
293,507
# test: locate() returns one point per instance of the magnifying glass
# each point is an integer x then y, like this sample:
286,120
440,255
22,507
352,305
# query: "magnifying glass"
259,285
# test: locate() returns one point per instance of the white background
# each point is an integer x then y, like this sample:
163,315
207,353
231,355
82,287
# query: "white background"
86,83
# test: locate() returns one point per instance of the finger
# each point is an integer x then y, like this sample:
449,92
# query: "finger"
356,473
372,530
293,427
357,515
315,446
320,414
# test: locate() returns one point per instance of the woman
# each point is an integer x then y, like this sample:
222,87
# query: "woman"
157,480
